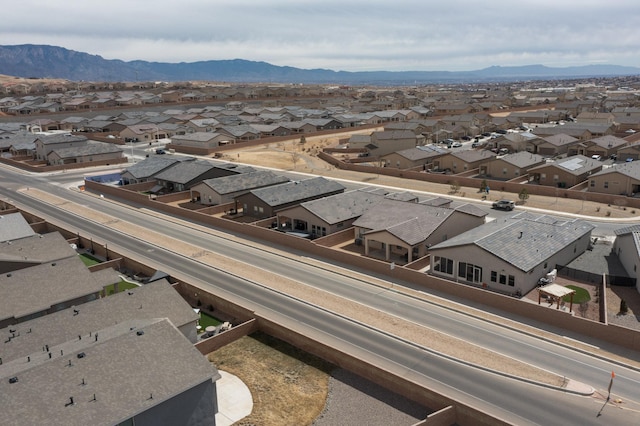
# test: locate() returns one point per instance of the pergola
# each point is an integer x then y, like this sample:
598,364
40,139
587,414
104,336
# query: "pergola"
556,292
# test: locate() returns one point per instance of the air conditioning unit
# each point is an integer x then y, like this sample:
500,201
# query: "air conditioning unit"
358,241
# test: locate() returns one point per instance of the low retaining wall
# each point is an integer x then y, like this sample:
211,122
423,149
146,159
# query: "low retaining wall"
220,340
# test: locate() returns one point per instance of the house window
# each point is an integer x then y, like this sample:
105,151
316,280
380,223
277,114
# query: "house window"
470,272
340,225
255,208
503,279
592,183
543,176
504,171
442,264
556,178
512,281
494,276
517,172
261,209
606,185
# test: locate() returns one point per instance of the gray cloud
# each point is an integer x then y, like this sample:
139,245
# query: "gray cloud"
350,35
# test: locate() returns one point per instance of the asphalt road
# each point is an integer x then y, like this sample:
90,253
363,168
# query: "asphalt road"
518,402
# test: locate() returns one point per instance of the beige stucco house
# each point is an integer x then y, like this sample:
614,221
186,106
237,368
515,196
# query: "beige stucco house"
403,231
511,166
510,255
566,172
620,179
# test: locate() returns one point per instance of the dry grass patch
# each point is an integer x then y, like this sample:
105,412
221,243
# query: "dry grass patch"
288,386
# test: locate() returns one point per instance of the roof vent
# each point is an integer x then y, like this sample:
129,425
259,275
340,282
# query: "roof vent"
140,332
13,380
81,355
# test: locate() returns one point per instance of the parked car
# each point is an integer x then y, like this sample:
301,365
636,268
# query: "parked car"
456,145
596,157
160,151
466,138
504,205
629,160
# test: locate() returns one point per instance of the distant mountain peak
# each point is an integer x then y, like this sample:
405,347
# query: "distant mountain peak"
44,61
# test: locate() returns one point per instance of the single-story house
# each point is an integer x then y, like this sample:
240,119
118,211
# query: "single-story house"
406,230
604,146
225,189
554,145
420,156
620,179
90,152
266,202
510,255
566,172
462,161
328,215
511,166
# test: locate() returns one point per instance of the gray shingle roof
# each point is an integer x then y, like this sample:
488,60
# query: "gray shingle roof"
128,372
66,279
153,300
151,166
185,172
286,193
410,222
91,148
14,226
340,207
631,170
244,181
524,243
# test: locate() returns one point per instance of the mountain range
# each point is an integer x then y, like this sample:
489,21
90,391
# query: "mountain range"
42,61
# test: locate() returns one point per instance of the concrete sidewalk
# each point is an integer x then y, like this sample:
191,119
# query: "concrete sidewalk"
234,399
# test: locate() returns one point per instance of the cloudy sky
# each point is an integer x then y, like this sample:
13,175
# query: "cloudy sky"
350,35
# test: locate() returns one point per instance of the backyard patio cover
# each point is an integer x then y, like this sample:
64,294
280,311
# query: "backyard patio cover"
556,292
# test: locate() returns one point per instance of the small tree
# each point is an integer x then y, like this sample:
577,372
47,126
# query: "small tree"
623,307
523,195
483,185
303,140
455,187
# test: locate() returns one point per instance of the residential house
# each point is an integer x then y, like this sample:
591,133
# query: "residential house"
606,118
516,142
580,133
386,142
13,226
510,166
604,146
68,283
202,140
225,189
566,172
509,255
47,143
104,376
328,215
554,145
183,175
24,252
463,161
619,179
631,151
148,168
627,247
404,231
420,156
92,151
267,202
